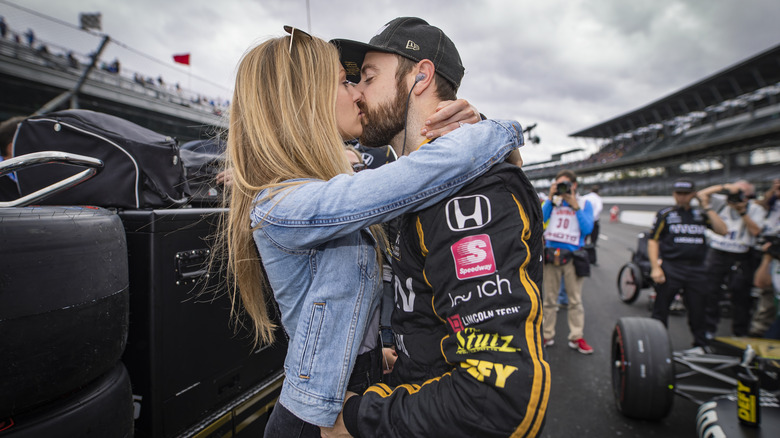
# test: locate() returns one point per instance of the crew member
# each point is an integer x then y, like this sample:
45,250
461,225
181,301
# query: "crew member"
676,249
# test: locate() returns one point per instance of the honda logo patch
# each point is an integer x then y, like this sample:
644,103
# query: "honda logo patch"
468,212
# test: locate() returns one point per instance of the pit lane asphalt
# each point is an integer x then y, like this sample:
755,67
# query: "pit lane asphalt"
581,399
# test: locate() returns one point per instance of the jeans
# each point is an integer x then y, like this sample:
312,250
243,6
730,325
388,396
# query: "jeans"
283,424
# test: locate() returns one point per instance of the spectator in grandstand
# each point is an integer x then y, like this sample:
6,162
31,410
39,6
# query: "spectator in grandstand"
3,27
676,249
569,219
730,257
30,36
72,61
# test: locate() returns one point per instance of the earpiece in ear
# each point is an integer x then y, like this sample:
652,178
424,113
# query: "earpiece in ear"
419,77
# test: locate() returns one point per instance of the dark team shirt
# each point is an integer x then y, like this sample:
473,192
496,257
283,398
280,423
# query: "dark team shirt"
467,279
375,157
680,233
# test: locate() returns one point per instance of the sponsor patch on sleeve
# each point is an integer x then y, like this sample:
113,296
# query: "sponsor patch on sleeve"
473,257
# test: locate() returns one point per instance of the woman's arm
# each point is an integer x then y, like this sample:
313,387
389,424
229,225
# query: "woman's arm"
323,210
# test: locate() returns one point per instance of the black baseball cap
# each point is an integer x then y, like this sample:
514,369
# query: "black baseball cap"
410,37
684,186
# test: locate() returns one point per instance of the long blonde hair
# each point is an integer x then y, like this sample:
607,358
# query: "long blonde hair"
282,126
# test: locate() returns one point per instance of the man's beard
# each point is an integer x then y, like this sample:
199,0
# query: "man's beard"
384,122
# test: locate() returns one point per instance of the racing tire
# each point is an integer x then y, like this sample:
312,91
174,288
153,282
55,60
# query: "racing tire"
102,409
64,301
629,283
642,368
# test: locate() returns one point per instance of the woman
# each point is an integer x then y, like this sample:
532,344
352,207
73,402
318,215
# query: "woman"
315,225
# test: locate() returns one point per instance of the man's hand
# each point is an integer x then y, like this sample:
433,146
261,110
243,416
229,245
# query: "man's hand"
339,430
657,274
449,115
388,360
571,199
553,191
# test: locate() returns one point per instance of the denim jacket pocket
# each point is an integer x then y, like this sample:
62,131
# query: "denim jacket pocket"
312,339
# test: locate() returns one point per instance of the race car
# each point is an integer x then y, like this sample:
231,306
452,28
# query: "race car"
735,383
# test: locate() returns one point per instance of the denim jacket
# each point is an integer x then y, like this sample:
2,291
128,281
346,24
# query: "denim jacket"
320,258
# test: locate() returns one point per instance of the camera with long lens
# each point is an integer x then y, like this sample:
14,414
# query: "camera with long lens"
563,188
736,198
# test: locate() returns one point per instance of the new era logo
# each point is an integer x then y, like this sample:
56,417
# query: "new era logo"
411,45
468,212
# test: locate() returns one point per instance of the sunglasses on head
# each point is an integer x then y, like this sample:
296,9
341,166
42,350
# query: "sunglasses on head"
292,31
357,167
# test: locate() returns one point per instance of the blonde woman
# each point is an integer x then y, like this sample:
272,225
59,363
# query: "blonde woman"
315,224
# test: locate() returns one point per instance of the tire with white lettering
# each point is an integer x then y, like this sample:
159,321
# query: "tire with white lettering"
629,283
102,409
642,368
64,301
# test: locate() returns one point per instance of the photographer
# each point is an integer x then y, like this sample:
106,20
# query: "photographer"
731,255
767,277
569,219
766,308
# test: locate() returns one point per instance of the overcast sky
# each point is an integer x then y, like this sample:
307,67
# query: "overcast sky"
565,65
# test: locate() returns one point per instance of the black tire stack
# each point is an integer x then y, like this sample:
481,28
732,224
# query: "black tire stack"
64,294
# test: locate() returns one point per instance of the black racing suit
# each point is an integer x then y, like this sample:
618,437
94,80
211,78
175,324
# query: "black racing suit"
468,316
682,247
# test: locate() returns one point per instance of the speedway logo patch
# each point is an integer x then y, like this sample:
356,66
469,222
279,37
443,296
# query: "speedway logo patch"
473,257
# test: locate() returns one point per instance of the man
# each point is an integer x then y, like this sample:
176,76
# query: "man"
766,309
676,249
466,271
767,277
598,205
569,220
730,256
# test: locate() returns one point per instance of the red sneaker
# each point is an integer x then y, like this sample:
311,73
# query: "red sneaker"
549,342
581,346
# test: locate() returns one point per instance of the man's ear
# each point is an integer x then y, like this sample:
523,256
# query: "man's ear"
423,76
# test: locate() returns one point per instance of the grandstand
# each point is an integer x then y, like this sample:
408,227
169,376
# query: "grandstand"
724,127
39,75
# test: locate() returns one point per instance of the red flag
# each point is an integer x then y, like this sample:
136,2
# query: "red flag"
184,58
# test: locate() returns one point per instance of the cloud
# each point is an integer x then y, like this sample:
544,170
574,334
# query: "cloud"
564,64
